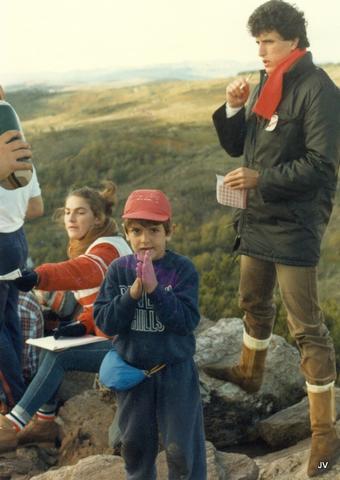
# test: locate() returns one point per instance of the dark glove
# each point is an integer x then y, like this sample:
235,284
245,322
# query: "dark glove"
28,280
73,329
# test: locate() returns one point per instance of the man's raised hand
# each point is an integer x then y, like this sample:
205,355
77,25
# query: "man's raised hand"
237,93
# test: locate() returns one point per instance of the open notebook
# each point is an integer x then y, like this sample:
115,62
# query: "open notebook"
227,196
50,343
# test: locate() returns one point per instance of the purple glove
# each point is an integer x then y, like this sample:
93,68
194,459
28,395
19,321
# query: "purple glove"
149,278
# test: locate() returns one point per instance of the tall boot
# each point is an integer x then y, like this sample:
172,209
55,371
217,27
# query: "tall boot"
325,446
248,373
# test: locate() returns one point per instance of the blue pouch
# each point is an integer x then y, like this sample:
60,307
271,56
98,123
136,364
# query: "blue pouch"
118,375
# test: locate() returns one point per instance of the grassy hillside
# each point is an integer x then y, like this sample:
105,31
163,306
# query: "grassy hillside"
157,135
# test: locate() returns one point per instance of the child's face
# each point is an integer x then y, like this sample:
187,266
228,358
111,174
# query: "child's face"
152,238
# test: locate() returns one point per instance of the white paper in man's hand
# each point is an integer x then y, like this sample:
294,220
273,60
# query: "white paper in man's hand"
227,196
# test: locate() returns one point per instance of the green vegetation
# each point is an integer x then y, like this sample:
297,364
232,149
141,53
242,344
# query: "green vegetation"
156,135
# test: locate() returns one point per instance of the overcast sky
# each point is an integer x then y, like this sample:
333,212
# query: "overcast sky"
65,35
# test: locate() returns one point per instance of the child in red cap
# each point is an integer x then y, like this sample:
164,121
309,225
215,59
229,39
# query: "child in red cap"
150,299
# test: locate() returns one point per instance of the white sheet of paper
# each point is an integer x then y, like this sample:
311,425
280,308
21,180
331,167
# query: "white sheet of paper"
50,343
11,275
228,196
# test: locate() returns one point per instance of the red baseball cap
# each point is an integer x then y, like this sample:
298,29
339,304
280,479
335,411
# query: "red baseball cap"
147,205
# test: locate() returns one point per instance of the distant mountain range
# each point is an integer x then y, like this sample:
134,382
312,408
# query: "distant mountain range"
123,76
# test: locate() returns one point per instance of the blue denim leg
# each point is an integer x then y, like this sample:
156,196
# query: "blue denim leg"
52,370
4,287
139,433
180,420
13,254
13,251
11,344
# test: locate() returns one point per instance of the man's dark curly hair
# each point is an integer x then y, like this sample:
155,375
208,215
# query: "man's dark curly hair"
282,17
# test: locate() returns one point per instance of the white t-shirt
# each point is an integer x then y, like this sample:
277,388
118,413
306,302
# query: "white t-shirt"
13,204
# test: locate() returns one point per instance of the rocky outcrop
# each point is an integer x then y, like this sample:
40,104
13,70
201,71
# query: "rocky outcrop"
105,467
220,466
75,383
286,427
84,423
291,464
290,425
27,462
275,415
85,420
232,415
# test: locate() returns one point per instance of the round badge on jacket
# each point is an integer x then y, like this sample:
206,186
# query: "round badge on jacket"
272,123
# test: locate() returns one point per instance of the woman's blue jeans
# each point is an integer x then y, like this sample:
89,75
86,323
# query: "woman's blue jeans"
45,384
13,254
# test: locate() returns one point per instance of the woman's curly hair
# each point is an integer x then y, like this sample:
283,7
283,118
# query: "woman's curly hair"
282,17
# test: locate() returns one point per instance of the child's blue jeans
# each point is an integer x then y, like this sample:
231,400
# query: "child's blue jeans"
168,403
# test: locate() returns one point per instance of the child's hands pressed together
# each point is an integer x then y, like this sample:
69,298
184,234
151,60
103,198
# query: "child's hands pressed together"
136,289
149,278
145,276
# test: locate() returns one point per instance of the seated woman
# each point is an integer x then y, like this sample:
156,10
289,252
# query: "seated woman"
93,244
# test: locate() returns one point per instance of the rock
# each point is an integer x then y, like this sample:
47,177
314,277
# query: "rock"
290,425
237,467
291,463
214,344
286,427
26,462
75,383
203,325
105,467
221,466
85,420
230,413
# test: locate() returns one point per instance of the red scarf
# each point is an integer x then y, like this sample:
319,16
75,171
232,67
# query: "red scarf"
271,93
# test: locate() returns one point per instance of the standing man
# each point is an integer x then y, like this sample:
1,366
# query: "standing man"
15,206
289,135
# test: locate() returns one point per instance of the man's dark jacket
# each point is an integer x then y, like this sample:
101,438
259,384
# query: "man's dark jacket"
298,162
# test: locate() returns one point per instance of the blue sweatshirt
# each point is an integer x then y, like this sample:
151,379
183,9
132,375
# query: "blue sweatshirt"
159,327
